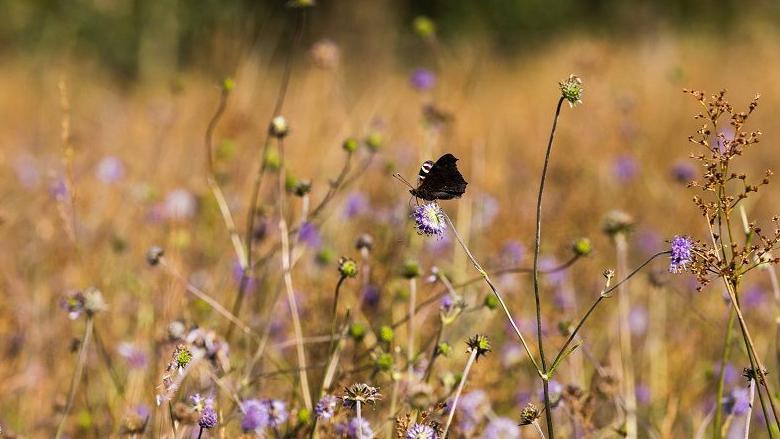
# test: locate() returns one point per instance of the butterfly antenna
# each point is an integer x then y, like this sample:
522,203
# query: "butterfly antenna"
400,178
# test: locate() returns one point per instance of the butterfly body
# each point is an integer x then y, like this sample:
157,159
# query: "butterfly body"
440,180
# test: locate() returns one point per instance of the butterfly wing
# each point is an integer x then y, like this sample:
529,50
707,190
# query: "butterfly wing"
443,181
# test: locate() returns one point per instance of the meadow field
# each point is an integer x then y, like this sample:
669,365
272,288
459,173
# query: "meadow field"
224,251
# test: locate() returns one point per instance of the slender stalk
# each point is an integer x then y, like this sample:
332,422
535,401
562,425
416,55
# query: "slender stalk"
717,420
538,428
537,298
200,433
410,346
493,288
749,413
77,373
469,363
604,294
624,334
360,421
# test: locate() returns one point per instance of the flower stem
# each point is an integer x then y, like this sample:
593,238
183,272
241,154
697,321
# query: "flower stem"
537,244
466,370
76,380
495,291
360,421
624,334
410,346
749,413
716,425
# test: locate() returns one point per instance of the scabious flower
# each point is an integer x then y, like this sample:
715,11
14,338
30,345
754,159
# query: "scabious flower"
625,168
309,235
136,358
501,428
737,401
110,170
429,220
326,407
421,431
422,79
179,205
359,429
683,172
360,393
682,253
356,204
255,416
205,406
473,407
277,412
571,90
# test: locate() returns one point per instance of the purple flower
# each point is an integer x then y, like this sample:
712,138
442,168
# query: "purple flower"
637,320
371,295
27,171
555,390
681,248
326,407
446,303
730,374
753,296
180,205
238,272
309,235
642,394
355,205
683,172
423,79
549,263
73,303
473,407
359,429
513,252
737,401
136,358
421,431
255,416
501,428
649,241
208,417
59,189
625,168
277,412
429,220
110,170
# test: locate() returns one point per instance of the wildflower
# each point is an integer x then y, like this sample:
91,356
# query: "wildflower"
208,416
616,222
683,172
73,303
309,235
411,269
737,401
350,144
277,412
422,79
360,393
357,331
421,431
326,407
326,54
386,334
279,127
582,247
424,27
637,320
135,421
88,302
110,170
480,344
681,249
355,205
364,242
474,407
571,90
359,429
625,168
179,205
374,141
501,428
255,416
347,267
529,414
180,359
136,358
429,220
513,252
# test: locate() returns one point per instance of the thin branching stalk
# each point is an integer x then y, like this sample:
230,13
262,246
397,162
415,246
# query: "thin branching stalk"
604,294
360,420
537,298
493,288
469,363
538,428
211,179
77,373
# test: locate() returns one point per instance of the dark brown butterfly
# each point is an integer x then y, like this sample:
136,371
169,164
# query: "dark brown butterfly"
439,180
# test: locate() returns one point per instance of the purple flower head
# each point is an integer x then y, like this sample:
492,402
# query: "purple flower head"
682,253
737,401
238,272
643,394
730,375
309,235
649,241
421,431
625,168
473,407
136,358
555,389
548,264
59,189
326,407
683,172
27,171
446,303
753,296
208,417
110,170
423,79
512,355
637,320
513,252
355,205
501,428
359,429
179,205
277,412
255,416
73,303
429,220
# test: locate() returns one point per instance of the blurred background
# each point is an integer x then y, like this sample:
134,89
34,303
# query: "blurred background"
105,105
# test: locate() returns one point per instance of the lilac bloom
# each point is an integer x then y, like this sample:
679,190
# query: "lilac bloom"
110,170
423,79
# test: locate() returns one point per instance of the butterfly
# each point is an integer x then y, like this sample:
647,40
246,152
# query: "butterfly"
439,180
